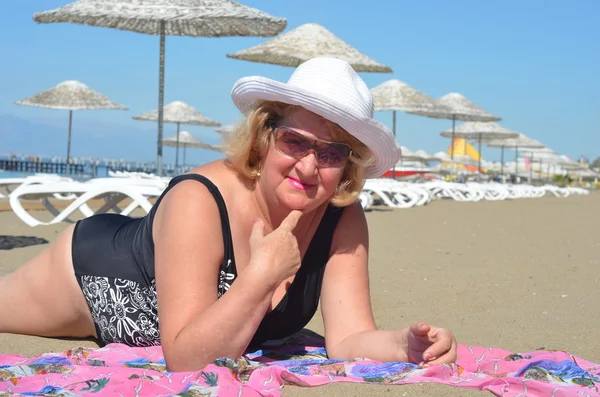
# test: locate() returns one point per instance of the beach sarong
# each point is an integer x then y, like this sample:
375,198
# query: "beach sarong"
11,242
301,360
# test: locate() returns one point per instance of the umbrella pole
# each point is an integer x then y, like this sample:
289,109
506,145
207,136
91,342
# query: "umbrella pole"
454,167
516,162
69,141
479,162
531,168
452,143
161,89
502,164
177,150
394,130
184,147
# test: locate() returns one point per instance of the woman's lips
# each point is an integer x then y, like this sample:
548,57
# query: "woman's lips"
299,185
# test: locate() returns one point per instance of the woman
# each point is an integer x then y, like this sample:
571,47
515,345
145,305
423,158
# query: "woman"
279,217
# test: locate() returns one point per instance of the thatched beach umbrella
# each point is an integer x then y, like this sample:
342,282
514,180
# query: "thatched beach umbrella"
480,130
446,159
197,18
409,155
396,95
426,157
521,141
540,154
305,42
569,164
227,129
463,110
187,140
179,113
70,95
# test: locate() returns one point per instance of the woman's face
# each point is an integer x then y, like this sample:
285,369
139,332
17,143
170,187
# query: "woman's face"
299,183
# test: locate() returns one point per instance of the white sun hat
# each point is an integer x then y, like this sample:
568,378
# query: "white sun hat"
332,89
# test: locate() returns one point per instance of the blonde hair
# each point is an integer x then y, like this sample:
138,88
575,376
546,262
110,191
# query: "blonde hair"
250,141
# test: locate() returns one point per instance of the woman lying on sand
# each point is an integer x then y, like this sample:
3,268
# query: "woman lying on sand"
284,201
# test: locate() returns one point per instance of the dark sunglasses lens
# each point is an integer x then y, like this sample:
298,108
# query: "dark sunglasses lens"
333,156
293,144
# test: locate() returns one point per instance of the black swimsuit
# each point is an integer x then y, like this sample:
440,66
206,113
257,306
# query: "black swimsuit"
113,259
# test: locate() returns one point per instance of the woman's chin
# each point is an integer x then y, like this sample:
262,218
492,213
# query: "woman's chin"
297,202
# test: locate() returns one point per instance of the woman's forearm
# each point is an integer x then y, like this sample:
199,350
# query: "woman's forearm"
372,344
226,328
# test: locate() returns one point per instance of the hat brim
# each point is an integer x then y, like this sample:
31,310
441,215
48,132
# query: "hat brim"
248,92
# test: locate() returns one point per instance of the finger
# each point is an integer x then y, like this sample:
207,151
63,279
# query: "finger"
420,329
258,231
449,357
444,342
290,222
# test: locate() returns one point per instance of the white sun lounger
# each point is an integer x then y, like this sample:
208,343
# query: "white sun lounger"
10,184
111,193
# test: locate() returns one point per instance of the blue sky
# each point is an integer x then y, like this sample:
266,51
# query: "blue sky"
535,63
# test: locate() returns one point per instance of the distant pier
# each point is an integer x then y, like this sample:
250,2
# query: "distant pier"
41,167
95,168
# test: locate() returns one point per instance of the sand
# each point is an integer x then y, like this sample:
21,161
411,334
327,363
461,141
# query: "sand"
520,275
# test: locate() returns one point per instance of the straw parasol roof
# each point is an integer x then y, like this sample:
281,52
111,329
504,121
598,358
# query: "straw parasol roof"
409,155
569,164
456,107
71,95
197,18
187,140
180,113
443,157
227,129
480,130
465,110
446,158
305,42
426,156
397,95
520,142
200,18
538,152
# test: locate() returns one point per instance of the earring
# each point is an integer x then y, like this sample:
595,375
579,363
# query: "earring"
258,173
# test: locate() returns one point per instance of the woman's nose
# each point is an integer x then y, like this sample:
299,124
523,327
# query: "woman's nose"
308,163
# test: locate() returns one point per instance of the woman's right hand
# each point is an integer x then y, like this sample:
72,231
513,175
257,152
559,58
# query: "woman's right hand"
276,255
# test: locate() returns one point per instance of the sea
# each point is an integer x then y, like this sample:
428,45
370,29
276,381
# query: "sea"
102,171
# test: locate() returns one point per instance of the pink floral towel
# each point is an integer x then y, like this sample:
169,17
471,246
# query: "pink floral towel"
118,370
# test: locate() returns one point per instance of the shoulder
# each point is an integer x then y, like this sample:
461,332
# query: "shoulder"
352,228
191,202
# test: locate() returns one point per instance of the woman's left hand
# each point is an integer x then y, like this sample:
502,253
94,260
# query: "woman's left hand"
428,345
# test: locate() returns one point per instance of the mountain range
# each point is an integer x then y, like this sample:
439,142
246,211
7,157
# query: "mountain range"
93,138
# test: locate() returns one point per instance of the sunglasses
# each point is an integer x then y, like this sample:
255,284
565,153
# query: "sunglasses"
297,145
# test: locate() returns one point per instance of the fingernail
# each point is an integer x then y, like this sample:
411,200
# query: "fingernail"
426,356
